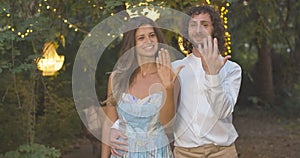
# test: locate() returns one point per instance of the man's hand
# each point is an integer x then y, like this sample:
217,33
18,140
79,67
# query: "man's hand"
212,61
115,144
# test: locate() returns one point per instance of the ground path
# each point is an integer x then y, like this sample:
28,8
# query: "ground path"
262,134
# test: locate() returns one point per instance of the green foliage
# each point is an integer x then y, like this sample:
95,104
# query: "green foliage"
58,123
33,151
113,4
292,100
49,118
274,23
42,107
14,111
13,129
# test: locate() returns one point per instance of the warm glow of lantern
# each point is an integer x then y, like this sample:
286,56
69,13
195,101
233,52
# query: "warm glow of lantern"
50,62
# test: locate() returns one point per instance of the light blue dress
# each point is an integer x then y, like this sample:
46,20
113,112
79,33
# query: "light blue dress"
139,120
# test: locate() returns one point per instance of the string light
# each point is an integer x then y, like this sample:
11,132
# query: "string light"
223,12
23,34
29,30
95,5
12,29
19,33
65,20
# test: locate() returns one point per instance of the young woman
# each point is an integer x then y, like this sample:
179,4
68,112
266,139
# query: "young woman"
141,93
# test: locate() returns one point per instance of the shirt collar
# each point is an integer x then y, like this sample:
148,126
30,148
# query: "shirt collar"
194,59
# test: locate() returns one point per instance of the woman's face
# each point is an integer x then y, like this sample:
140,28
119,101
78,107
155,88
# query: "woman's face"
146,41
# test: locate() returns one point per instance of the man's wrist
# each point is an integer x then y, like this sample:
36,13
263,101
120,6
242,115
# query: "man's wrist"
213,80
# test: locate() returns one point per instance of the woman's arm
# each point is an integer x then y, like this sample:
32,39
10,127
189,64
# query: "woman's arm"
167,111
171,86
110,118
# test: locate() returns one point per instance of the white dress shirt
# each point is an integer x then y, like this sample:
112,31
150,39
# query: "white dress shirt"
204,114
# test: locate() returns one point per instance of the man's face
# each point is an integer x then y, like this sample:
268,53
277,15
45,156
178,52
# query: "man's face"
200,26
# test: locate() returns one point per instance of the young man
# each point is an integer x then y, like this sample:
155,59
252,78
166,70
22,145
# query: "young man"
209,85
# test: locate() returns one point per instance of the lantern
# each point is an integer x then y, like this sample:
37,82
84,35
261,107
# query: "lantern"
50,62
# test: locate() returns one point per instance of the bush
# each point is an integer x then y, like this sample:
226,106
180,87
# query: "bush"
33,151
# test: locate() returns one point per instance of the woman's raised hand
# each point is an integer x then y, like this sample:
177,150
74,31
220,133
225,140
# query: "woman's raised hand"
164,68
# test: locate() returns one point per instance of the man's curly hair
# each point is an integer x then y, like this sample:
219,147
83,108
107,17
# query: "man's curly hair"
218,27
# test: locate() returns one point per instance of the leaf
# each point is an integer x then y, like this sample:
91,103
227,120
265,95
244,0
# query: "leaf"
12,154
32,57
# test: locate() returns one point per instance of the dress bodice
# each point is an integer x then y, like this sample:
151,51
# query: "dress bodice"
139,120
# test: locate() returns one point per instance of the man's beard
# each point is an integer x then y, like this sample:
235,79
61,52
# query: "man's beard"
200,37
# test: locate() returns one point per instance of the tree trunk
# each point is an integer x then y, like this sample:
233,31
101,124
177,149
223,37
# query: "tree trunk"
296,53
265,85
296,21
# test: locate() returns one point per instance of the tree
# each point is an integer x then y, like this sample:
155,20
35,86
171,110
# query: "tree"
265,33
25,26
